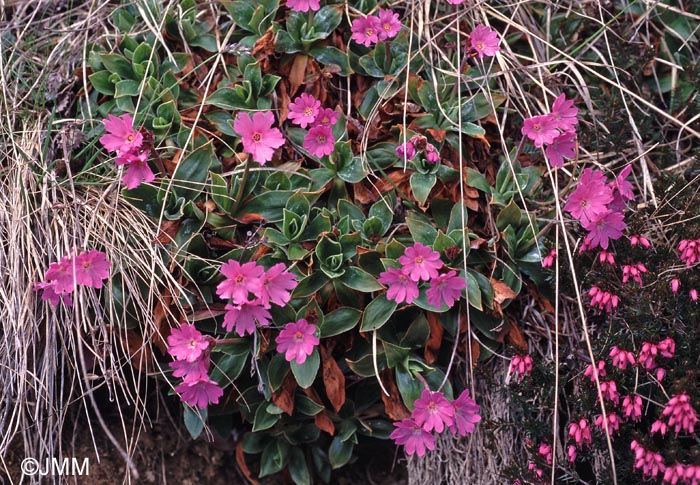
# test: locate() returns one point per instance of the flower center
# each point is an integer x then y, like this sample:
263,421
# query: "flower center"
299,336
321,139
387,27
240,278
432,406
536,128
480,45
130,138
309,112
193,344
419,260
369,33
257,137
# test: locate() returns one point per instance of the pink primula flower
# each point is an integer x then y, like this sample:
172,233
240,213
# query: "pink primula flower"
304,5
137,169
297,340
121,136
562,146
91,268
199,392
304,109
277,284
484,41
365,30
199,369
466,414
433,411
590,198
605,226
326,117
445,287
241,279
564,114
548,261
622,186
420,262
319,141
49,293
259,138
406,150
61,274
401,288
413,437
389,23
244,316
540,130
187,343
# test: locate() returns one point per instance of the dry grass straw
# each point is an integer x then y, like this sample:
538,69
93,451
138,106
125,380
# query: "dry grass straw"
52,360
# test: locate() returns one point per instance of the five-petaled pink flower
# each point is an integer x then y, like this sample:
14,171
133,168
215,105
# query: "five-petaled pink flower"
563,146
187,343
433,411
91,268
304,5
137,169
420,262
484,41
277,283
297,340
241,279
540,129
199,369
466,414
590,197
446,287
389,23
326,117
48,293
319,140
121,136
401,287
61,273
414,438
199,392
365,30
564,113
243,317
304,109
605,226
259,138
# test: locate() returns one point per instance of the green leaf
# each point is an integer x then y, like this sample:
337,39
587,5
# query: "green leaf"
510,215
277,370
298,469
274,457
191,173
307,406
409,388
334,56
269,205
377,313
101,82
230,98
478,181
194,420
422,184
263,419
305,373
360,280
339,321
310,285
421,231
340,452
117,64
395,354
327,19
473,291
126,87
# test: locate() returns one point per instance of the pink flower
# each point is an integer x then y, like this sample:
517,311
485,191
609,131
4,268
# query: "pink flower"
446,287
633,271
455,2
548,261
605,226
603,300
198,369
304,109
433,411
431,153
466,414
259,138
297,340
667,347
187,343
650,463
244,316
540,130
562,146
365,30
611,424
693,293
484,41
641,240
60,275
199,392
406,150
632,407
620,358
675,284
621,186
319,140
564,113
581,433
240,280
545,450
594,373
137,169
401,287
674,473
571,453
690,251
521,365
590,198
326,117
277,284
49,293
420,262
609,391
91,268
680,414
389,23
414,438
606,257
121,136
304,5
659,426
